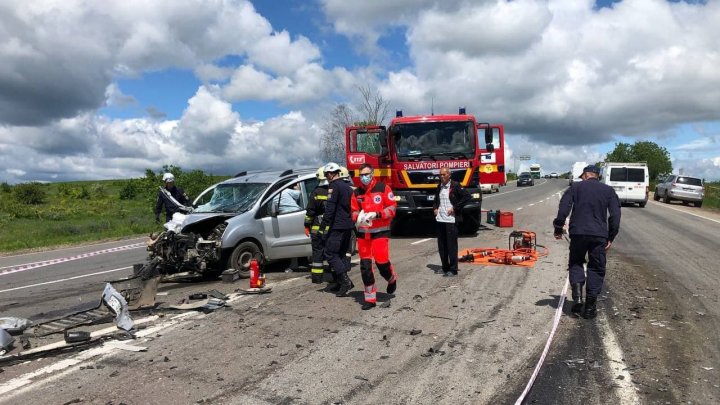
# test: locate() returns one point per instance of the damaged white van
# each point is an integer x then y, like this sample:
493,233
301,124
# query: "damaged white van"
631,181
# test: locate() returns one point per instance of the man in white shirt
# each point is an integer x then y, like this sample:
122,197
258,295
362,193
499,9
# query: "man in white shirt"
450,198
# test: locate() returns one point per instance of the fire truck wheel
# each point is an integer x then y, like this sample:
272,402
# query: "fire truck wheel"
240,258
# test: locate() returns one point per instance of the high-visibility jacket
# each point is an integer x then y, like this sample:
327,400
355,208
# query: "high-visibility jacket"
376,197
316,208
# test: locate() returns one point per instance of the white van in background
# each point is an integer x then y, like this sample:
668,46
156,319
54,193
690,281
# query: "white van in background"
576,171
631,181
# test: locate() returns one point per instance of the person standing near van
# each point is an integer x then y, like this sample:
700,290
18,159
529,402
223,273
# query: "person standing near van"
373,208
170,197
594,224
337,226
313,217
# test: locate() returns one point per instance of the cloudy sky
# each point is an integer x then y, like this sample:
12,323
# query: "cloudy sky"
107,89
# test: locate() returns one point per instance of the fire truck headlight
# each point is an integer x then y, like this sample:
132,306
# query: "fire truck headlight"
475,195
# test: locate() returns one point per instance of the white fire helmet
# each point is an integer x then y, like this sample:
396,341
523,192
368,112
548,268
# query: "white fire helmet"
320,174
331,168
167,177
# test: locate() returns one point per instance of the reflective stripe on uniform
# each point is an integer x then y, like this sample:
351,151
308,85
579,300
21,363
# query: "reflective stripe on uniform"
374,230
370,293
317,270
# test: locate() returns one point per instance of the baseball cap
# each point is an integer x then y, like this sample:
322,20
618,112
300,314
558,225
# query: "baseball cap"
591,169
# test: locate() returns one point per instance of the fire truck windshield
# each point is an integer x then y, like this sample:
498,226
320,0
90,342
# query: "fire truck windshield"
418,140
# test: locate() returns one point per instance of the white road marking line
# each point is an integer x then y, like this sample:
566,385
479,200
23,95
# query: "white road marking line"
44,263
64,279
625,387
421,241
531,204
13,385
518,209
65,366
689,213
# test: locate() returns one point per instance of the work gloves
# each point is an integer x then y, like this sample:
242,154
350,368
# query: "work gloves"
366,218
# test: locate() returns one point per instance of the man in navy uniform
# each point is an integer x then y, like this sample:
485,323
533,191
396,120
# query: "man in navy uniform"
594,224
337,226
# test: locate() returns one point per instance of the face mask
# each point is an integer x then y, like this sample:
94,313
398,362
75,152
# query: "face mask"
366,179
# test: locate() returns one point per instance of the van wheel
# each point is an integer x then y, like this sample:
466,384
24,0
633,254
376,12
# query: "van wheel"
666,200
642,204
698,204
240,258
656,196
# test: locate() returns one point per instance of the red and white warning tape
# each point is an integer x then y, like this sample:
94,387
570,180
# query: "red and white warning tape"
29,266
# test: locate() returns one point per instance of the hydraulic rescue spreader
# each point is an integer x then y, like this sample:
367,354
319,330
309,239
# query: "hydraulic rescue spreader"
521,251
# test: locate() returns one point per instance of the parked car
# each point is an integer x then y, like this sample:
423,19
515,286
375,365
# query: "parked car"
489,188
235,220
682,188
525,179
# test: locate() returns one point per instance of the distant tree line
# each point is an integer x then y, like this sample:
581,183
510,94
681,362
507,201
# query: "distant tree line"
35,193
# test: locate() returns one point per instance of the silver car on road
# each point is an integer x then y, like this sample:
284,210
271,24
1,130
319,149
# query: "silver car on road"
682,188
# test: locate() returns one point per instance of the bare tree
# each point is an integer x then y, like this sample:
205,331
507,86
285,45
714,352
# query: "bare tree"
332,139
373,108
373,111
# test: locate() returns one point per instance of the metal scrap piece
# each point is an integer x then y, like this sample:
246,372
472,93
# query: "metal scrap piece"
117,304
13,325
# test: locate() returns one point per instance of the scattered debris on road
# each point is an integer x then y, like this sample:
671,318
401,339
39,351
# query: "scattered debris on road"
13,325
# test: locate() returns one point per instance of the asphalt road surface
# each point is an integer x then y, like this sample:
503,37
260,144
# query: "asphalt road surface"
474,339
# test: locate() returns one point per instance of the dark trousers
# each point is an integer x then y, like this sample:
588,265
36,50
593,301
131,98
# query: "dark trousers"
336,246
316,267
594,248
447,236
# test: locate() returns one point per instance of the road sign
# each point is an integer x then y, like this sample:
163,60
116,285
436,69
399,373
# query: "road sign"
524,157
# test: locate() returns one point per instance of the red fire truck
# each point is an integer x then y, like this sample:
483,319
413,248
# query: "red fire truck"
409,153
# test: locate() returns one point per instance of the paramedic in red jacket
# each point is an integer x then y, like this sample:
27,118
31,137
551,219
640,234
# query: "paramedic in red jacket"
373,208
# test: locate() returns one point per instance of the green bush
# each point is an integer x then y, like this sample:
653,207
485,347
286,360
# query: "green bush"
81,192
5,187
29,193
130,189
98,190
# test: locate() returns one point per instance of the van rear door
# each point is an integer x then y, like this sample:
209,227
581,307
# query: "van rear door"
630,183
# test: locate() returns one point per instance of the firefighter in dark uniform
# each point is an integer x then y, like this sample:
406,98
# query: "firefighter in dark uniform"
373,208
594,224
313,217
337,227
172,197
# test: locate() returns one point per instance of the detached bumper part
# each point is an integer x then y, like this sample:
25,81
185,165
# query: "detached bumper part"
117,304
6,341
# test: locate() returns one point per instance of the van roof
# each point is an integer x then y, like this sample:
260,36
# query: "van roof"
627,164
268,176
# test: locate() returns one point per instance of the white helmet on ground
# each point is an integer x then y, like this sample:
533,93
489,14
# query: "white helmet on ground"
168,177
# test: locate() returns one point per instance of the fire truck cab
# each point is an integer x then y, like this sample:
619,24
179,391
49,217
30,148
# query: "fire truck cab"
408,156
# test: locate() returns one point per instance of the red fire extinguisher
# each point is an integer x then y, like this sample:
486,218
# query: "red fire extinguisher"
256,280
